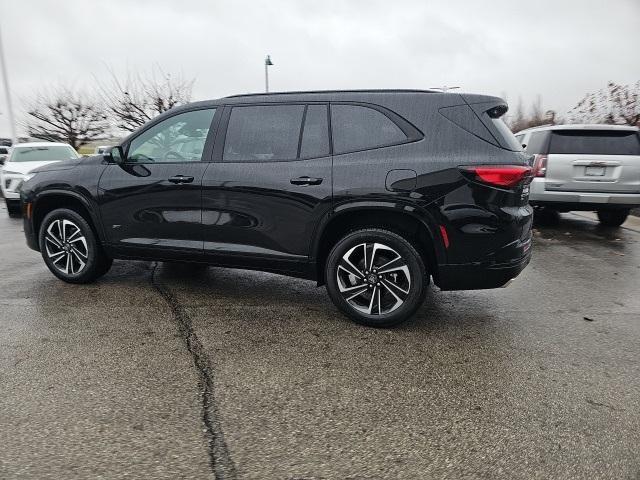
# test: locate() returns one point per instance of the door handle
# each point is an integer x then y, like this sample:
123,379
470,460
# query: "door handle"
306,181
181,179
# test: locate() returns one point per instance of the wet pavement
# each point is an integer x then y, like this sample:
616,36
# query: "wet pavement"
174,371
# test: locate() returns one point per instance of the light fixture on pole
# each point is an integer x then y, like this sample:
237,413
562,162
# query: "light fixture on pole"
5,81
267,62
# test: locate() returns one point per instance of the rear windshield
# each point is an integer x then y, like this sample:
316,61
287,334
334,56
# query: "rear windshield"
595,142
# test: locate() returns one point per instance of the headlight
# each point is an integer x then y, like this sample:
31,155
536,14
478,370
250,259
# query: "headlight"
29,176
7,172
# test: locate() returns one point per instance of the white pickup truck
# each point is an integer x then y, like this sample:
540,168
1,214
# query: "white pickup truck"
585,167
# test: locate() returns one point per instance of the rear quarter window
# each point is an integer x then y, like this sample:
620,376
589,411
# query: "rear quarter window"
595,142
356,127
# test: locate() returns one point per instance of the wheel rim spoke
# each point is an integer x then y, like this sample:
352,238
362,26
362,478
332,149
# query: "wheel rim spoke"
66,247
373,278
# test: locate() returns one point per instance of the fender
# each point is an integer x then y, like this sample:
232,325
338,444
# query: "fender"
422,215
89,204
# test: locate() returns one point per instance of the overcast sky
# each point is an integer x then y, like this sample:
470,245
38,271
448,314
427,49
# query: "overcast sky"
559,49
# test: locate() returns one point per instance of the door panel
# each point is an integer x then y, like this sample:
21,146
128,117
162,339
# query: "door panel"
253,210
151,203
144,211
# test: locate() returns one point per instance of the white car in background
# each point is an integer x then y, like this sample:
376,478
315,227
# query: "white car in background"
4,153
23,158
585,167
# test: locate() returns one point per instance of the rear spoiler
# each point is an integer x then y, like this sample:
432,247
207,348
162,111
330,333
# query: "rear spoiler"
476,117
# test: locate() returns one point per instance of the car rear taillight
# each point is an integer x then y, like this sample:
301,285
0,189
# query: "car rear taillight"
540,165
507,176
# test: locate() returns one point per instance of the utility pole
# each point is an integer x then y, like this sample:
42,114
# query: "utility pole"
5,81
267,62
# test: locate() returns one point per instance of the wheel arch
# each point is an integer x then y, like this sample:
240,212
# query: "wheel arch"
54,199
413,227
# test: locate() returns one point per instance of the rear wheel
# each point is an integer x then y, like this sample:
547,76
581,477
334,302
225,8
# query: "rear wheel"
376,277
70,248
613,218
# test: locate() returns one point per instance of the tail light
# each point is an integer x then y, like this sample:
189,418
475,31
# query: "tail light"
540,166
506,176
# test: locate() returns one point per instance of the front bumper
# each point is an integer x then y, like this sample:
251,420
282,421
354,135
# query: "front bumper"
479,276
538,195
10,184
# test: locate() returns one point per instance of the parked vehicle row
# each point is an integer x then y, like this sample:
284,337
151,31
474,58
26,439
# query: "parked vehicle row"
585,167
372,193
24,158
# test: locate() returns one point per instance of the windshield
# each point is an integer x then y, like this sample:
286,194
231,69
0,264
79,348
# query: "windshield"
43,154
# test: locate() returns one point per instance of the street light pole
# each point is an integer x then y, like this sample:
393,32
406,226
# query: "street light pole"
267,62
5,81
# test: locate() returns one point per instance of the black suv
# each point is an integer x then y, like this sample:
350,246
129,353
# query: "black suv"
369,192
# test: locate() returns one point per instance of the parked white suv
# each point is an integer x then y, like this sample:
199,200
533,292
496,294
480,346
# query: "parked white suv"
23,158
585,167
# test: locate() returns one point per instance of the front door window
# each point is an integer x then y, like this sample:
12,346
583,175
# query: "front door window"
180,138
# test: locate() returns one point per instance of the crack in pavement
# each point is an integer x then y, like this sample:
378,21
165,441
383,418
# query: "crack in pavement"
219,459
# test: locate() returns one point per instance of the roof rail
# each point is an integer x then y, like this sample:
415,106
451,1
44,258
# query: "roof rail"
399,90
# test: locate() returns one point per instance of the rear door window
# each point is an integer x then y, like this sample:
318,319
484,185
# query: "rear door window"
263,133
315,136
595,142
355,127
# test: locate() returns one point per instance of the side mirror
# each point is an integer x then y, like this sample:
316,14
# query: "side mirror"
116,155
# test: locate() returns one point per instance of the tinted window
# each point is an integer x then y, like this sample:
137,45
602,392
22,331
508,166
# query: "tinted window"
595,142
537,142
165,141
269,132
38,154
359,128
315,136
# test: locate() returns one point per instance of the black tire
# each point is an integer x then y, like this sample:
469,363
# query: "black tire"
73,254
613,218
13,208
546,216
413,283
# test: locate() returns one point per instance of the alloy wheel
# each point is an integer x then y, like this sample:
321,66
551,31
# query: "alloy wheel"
373,278
66,246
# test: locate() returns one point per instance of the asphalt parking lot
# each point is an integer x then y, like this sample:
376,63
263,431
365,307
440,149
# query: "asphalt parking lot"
174,371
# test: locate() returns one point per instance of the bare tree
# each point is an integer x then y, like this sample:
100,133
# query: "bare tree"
615,104
533,118
134,100
63,115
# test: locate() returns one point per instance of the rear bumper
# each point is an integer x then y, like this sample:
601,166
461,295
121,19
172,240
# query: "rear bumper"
540,196
478,276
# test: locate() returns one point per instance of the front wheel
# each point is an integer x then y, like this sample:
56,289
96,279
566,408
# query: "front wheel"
612,218
70,248
376,277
